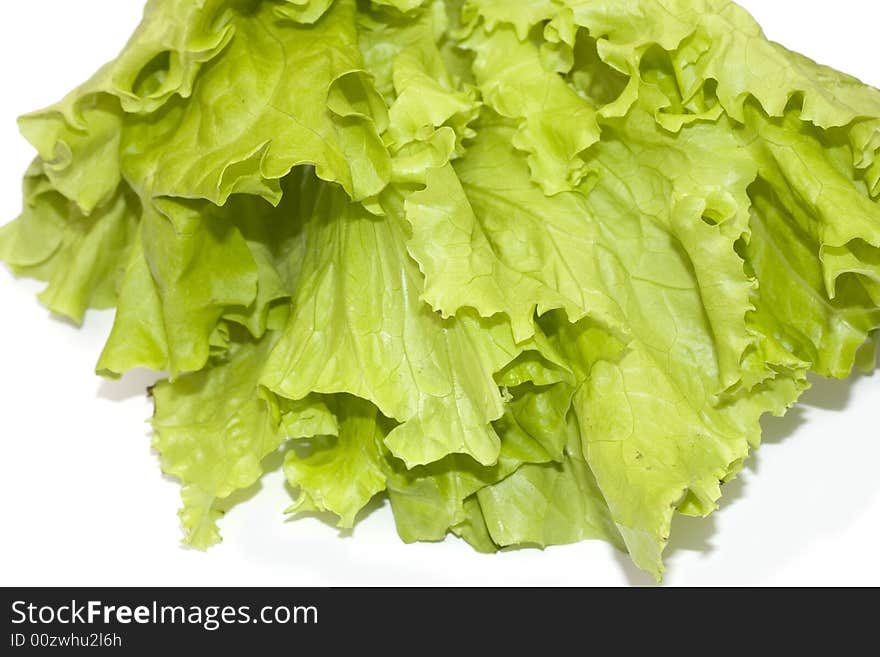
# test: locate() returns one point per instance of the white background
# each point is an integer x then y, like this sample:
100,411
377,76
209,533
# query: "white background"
82,500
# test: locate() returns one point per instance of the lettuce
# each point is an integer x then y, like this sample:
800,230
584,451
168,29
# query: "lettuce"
532,271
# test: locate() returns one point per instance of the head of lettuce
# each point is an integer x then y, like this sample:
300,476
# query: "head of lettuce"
532,270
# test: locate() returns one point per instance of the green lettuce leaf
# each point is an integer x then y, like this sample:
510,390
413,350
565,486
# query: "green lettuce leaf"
358,326
250,119
213,429
342,471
